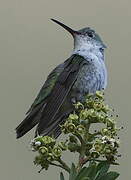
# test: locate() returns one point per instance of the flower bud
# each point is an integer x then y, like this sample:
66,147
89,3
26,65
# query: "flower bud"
73,147
89,103
71,127
43,150
105,108
73,139
80,129
95,154
57,152
98,106
50,157
99,94
47,140
84,122
101,118
84,114
37,139
63,146
73,117
104,131
79,106
98,147
91,113
110,122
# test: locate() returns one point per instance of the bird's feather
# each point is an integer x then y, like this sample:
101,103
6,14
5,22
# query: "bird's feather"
47,87
45,109
34,113
30,121
59,92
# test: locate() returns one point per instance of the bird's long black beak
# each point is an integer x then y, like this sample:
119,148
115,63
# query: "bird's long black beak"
71,31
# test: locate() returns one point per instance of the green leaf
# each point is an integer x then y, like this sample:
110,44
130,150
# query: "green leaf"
110,176
80,175
73,172
86,178
62,176
101,169
89,172
92,172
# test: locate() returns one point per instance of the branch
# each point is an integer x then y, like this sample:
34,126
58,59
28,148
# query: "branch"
64,165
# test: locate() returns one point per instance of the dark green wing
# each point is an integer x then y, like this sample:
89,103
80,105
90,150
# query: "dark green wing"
34,113
51,97
60,91
47,87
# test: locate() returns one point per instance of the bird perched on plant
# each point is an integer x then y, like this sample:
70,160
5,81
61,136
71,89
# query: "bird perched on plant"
82,73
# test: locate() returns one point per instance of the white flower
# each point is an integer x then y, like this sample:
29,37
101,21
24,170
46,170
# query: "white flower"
37,143
104,139
93,149
112,141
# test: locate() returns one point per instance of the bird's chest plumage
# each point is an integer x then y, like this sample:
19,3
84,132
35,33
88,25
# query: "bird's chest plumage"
91,77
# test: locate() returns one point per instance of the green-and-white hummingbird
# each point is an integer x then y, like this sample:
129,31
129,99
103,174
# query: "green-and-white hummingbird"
82,73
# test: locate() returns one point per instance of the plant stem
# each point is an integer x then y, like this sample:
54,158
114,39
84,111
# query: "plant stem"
80,139
64,165
80,162
81,155
82,159
58,165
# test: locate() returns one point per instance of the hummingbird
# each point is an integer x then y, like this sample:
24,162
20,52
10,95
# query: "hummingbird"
82,73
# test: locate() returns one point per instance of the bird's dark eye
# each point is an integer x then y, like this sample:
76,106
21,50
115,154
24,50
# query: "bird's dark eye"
90,34
101,50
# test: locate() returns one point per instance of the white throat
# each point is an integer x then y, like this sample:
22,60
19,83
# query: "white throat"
88,49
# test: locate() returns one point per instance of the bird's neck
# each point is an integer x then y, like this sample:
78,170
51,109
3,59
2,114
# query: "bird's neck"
89,51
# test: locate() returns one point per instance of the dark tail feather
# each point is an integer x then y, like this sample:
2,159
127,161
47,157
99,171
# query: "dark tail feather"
29,122
53,128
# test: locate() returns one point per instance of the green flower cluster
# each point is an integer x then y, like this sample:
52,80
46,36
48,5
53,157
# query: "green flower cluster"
48,150
92,145
102,143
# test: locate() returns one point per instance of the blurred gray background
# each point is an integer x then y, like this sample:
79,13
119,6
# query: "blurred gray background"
31,46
